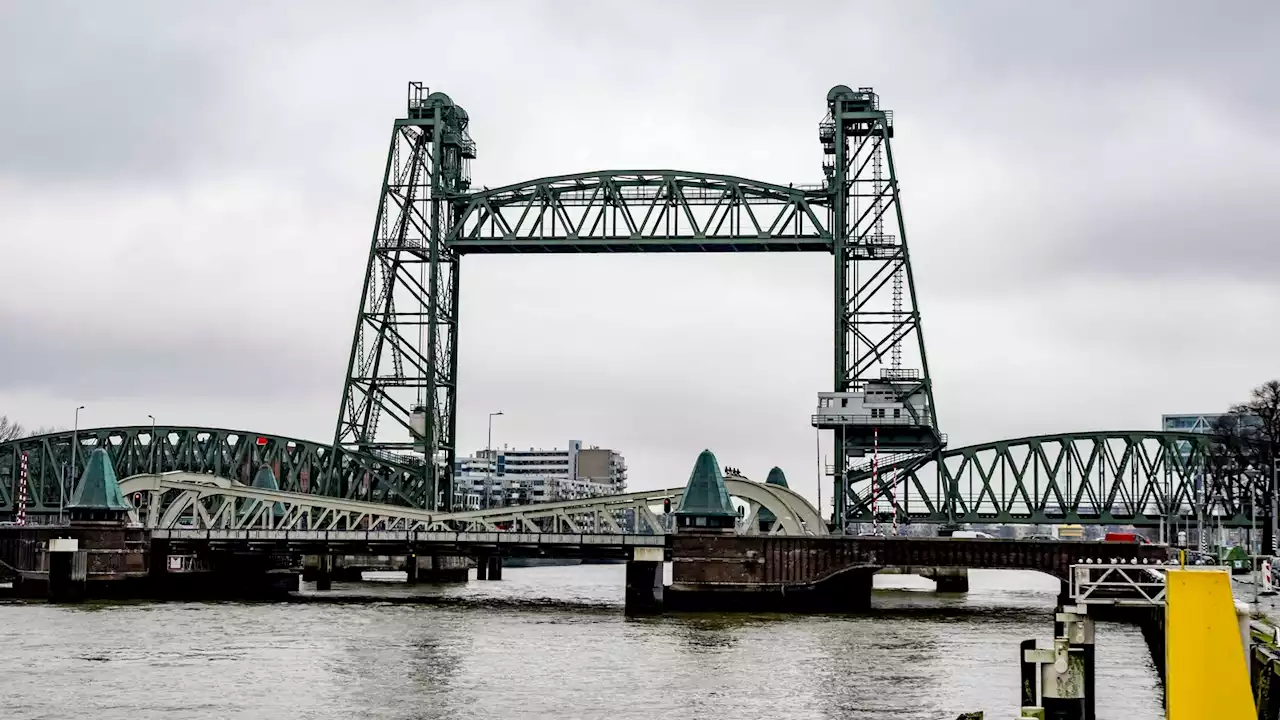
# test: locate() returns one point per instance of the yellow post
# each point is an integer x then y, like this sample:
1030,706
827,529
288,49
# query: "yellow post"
1206,675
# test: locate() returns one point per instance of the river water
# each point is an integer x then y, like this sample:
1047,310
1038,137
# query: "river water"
546,642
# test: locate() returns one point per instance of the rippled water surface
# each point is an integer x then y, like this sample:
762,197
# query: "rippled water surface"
546,642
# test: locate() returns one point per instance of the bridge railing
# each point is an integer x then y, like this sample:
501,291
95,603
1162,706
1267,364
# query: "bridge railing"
1118,584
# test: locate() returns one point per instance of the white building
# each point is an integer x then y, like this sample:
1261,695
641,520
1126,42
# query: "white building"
496,478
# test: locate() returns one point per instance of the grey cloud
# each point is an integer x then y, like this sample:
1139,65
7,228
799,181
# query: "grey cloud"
1022,157
117,91
1221,53
121,355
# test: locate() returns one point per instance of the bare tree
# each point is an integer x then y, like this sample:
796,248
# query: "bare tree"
10,430
1247,440
46,430
1264,405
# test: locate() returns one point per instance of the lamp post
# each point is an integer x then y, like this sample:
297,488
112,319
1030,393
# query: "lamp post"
153,443
1275,470
488,456
75,467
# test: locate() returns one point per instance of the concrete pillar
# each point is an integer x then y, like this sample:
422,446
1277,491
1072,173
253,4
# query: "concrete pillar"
951,579
277,584
1062,684
411,568
158,565
860,590
444,568
482,567
324,573
644,583
1057,682
848,591
495,567
67,570
1078,628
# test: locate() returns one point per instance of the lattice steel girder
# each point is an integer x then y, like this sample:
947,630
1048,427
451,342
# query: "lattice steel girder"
403,358
1113,477
877,317
874,257
641,211
202,502
300,466
427,214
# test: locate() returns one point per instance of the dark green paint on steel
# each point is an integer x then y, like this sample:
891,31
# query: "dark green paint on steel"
429,203
265,479
1135,477
776,477
705,494
305,467
98,488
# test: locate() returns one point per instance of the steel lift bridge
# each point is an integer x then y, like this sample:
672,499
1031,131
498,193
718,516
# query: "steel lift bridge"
395,440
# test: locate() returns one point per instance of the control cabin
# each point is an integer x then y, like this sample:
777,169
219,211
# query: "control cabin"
897,411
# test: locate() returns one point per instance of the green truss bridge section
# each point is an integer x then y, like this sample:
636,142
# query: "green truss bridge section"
1115,477
642,211
299,465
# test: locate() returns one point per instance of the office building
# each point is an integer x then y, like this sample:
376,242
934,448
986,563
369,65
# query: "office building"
508,476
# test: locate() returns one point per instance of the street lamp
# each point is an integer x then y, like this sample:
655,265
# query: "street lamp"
1275,470
153,443
75,468
488,456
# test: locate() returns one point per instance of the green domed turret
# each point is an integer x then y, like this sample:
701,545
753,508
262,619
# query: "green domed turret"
98,495
265,479
765,516
705,504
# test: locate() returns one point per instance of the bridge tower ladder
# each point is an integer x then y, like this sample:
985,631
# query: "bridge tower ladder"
401,383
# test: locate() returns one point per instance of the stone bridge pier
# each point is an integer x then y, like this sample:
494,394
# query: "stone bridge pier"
833,574
947,579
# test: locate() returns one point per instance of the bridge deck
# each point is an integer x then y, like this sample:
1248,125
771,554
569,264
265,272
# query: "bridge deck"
402,541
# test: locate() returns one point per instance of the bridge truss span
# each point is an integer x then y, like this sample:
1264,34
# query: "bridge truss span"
197,502
641,211
1110,477
300,466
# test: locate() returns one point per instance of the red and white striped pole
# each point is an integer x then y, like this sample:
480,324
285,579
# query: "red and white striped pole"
22,490
875,480
893,499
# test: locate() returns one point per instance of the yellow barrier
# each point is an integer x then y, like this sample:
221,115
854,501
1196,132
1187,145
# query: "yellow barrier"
1206,672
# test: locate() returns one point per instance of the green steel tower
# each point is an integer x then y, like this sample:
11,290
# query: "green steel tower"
879,406
401,386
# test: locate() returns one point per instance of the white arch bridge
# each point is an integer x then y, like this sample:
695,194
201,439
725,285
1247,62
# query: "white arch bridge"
176,504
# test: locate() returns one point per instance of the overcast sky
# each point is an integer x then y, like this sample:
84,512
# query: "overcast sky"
1090,189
